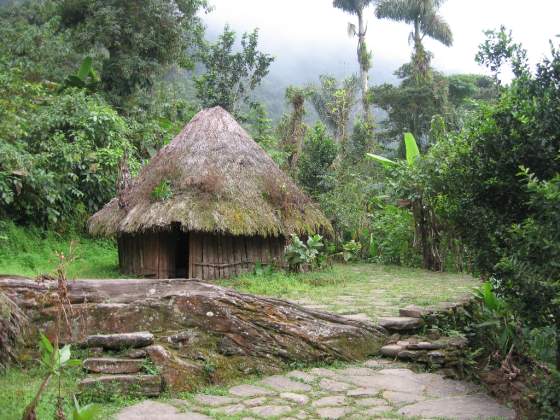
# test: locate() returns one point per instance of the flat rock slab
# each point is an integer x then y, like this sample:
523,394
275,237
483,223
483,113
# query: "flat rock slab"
333,412
152,410
460,408
391,350
331,401
137,385
113,366
358,317
300,399
414,311
120,341
249,391
333,386
214,400
281,383
400,323
271,410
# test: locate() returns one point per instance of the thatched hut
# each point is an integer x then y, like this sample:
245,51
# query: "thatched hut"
210,204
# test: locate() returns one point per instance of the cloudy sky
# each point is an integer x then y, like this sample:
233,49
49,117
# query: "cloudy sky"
308,37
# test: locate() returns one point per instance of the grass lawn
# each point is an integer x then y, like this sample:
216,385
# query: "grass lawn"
31,251
370,289
19,385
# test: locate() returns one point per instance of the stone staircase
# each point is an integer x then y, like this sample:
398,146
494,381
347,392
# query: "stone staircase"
432,349
124,370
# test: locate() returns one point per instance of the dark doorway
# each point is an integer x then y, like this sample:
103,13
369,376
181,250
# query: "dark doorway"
181,255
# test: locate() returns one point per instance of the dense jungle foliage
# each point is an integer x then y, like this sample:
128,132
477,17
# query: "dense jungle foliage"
86,86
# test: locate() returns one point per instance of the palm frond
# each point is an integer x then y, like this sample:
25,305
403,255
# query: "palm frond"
351,6
436,27
351,29
399,10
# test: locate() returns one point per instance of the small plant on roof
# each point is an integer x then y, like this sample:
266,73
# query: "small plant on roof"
162,191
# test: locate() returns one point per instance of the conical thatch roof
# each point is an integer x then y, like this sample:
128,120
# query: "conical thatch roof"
221,181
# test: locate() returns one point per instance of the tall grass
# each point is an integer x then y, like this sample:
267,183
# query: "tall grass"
30,251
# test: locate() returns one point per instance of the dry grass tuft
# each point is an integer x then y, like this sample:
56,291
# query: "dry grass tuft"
211,183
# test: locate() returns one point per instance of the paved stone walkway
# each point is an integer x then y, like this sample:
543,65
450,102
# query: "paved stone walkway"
382,294
374,389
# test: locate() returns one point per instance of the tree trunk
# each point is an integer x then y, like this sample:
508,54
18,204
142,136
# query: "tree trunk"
220,325
364,67
558,346
427,235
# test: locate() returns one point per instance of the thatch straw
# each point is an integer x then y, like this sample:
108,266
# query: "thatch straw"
221,181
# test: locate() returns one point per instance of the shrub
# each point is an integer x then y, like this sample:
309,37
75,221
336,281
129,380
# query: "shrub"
392,237
314,166
60,151
351,251
301,255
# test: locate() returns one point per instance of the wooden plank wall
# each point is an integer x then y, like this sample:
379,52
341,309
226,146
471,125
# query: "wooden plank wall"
223,256
150,254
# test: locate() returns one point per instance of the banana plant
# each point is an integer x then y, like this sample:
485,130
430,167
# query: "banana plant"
85,78
426,227
412,153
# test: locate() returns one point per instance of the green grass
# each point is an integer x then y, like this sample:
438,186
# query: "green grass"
19,385
28,251
372,289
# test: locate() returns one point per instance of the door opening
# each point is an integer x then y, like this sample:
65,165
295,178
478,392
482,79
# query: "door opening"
182,255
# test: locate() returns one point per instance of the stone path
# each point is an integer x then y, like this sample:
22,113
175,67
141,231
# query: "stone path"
382,294
374,389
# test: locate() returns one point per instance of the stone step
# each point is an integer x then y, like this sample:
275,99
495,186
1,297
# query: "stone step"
414,311
120,341
400,323
113,366
131,385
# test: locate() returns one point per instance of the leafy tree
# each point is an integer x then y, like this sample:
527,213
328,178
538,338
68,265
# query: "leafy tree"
314,166
60,151
507,217
291,128
356,7
262,131
334,102
134,41
423,15
34,42
229,77
499,48
360,141
411,106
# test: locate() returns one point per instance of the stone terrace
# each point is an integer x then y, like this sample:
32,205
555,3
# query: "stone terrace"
374,389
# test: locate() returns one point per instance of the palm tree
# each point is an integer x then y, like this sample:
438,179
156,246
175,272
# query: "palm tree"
423,15
356,7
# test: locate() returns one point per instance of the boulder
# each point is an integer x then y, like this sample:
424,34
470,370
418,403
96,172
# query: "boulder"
253,326
178,375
